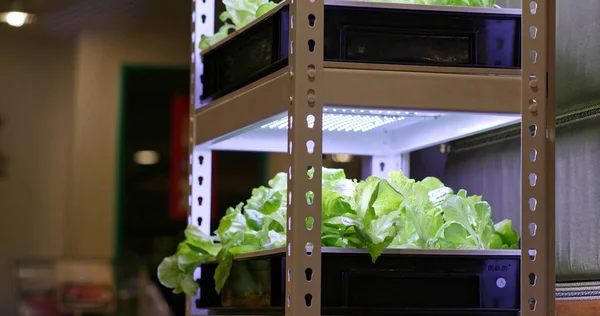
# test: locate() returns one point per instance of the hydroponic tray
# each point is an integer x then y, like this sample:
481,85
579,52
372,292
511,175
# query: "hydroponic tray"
400,282
372,33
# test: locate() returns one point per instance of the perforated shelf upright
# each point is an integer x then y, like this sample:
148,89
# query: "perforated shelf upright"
295,108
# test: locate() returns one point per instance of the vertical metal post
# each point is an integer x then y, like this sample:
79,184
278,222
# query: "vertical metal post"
303,264
200,165
189,300
200,214
537,159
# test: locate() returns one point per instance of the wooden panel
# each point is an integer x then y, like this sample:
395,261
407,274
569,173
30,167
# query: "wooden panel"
578,308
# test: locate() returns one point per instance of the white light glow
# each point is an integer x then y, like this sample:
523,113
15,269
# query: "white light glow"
146,157
342,122
351,120
16,19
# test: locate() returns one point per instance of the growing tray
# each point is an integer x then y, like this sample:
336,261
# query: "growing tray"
372,33
401,282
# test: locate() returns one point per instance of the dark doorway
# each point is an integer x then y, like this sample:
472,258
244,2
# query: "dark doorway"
147,230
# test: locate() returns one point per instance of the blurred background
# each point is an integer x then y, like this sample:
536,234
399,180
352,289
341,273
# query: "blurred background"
93,95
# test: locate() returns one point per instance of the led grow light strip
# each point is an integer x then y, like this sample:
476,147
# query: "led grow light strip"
342,122
379,112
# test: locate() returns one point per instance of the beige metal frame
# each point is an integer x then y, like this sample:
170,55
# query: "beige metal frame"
307,83
430,88
303,263
537,159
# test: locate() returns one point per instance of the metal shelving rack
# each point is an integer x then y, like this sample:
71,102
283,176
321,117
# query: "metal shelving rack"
307,83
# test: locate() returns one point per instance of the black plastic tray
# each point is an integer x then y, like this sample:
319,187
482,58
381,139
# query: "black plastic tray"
415,282
374,34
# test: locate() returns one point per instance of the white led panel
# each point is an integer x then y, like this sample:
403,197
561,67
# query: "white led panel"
366,131
346,120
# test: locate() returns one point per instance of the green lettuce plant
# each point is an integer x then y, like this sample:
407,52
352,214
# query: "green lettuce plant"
238,13
373,214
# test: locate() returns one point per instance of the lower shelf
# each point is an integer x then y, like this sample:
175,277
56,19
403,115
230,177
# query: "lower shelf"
401,282
339,312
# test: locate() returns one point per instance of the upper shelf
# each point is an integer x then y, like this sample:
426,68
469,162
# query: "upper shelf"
468,61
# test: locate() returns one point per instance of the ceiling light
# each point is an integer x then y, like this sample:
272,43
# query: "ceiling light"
16,18
341,158
146,157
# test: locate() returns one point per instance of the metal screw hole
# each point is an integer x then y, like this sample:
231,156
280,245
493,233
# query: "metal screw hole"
532,130
310,146
533,7
311,20
309,274
532,204
532,229
532,279
308,300
533,31
200,180
201,160
533,56
532,155
309,248
199,220
532,304
532,254
532,179
200,199
310,195
311,45
310,172
310,221
310,121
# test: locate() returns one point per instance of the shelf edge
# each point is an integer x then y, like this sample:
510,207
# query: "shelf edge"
422,90
266,97
429,252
